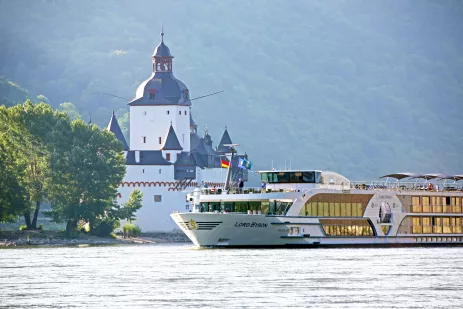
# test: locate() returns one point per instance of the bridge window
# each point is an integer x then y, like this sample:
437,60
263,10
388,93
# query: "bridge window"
292,177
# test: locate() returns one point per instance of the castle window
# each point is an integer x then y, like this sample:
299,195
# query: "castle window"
185,112
168,156
168,112
160,140
144,113
143,171
144,139
160,171
157,198
180,112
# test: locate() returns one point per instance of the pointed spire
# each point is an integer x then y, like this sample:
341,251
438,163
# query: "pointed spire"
224,141
171,141
113,126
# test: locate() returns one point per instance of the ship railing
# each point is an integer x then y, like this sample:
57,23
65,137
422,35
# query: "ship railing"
404,186
246,190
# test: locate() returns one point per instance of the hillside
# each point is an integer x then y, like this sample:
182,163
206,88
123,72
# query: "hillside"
360,87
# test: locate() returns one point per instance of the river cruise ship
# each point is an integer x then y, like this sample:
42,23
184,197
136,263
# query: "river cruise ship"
300,208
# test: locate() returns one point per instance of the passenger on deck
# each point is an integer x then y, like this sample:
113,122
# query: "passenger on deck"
241,185
213,190
264,186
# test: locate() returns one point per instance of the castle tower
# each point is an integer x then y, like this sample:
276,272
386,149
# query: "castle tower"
160,101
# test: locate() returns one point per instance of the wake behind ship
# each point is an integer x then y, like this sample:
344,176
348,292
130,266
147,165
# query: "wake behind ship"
318,208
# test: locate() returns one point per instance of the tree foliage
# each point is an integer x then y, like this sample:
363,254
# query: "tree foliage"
74,166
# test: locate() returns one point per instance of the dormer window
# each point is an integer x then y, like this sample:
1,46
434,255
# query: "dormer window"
152,94
168,156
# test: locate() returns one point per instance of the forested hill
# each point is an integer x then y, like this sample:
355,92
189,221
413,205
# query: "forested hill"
359,87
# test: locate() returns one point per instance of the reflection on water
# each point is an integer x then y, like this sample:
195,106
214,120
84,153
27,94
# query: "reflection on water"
181,276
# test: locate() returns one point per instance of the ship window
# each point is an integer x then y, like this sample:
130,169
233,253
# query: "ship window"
291,177
157,198
347,227
308,177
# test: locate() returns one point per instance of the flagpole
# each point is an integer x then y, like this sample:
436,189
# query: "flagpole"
232,149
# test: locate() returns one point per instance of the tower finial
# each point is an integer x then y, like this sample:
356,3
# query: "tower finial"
113,112
171,123
162,34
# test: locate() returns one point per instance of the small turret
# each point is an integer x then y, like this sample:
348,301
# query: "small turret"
171,141
225,140
113,126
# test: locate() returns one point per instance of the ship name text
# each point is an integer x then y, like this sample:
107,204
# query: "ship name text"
250,224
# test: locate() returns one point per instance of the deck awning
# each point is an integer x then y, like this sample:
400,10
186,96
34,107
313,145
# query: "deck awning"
453,177
400,176
430,176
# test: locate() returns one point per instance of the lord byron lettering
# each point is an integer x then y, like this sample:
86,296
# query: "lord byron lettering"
252,224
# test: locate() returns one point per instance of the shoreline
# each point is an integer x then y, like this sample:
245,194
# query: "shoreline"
37,239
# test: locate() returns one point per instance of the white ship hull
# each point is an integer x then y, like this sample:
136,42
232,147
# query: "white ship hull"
243,230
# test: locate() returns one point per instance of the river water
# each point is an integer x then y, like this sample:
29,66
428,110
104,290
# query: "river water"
181,276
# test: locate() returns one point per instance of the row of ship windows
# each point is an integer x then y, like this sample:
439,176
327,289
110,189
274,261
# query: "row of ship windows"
437,225
168,113
439,239
437,200
436,209
324,209
350,230
261,207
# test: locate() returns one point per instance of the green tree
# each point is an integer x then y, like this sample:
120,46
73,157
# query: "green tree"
128,209
13,200
36,122
86,173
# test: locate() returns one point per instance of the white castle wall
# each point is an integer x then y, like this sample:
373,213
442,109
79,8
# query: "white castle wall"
153,122
155,216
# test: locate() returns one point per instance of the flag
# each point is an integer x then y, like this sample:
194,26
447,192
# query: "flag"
244,163
225,164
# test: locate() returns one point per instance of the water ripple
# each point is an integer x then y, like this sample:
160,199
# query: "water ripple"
181,276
